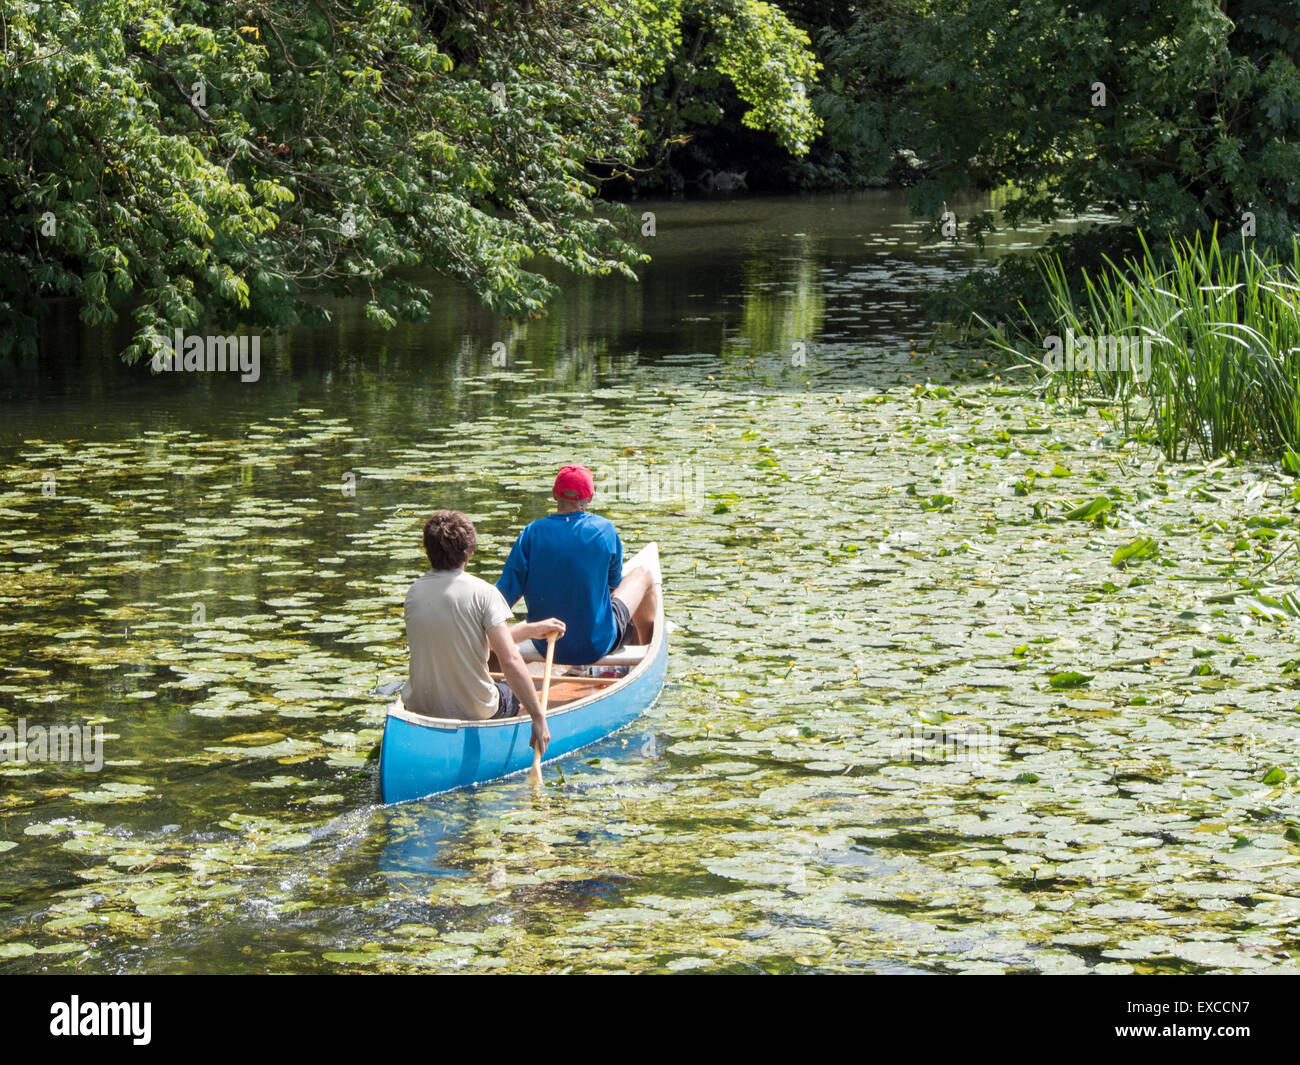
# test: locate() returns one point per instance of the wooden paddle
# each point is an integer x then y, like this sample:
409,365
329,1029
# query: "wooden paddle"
535,774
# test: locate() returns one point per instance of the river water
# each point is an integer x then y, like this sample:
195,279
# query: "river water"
915,721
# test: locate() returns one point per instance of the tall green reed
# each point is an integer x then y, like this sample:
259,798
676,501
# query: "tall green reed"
1224,333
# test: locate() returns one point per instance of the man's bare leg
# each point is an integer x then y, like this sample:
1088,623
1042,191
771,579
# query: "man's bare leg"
638,590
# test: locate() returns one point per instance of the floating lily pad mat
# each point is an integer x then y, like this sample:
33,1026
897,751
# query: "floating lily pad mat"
931,706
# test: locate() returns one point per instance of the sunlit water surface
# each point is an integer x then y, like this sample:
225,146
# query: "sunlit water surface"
859,761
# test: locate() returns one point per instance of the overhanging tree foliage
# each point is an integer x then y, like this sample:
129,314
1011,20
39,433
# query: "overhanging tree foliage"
699,55
1179,114
185,161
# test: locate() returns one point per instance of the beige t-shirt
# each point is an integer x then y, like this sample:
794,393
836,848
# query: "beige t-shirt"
448,613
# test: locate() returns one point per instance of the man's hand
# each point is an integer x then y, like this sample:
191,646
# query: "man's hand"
541,738
545,628
536,630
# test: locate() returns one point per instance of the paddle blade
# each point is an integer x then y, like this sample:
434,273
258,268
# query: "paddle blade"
535,774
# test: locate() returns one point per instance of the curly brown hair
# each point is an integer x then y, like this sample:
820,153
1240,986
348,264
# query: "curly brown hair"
449,539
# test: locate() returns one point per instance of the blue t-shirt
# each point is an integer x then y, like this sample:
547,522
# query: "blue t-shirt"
565,566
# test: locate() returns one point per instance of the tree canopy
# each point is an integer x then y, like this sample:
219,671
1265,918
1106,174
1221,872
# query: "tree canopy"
179,161
182,161
1177,114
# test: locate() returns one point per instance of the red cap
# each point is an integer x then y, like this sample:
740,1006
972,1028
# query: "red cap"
574,482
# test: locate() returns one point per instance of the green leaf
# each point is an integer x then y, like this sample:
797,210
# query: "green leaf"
1090,510
1275,775
1267,606
1064,681
1136,551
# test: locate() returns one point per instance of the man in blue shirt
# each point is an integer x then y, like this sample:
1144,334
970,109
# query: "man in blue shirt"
569,565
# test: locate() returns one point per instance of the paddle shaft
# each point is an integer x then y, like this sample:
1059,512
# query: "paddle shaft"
546,680
535,774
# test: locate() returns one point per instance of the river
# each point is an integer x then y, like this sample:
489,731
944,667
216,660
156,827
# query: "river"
914,722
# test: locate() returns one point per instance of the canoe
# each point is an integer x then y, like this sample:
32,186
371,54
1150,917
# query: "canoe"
422,756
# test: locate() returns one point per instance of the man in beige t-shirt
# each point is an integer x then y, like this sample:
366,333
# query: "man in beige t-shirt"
452,619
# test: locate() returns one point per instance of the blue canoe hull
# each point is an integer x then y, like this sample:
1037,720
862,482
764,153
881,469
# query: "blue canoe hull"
423,756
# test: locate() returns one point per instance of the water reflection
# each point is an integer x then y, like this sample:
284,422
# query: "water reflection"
730,281
247,722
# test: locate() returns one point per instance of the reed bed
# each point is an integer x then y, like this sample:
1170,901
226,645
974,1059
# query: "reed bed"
1222,329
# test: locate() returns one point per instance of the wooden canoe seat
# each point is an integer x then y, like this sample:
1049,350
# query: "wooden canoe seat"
628,655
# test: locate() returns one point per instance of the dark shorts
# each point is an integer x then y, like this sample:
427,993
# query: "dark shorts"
622,623
507,701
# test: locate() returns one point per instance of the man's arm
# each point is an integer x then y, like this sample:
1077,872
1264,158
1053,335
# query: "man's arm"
514,574
616,564
536,630
516,674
